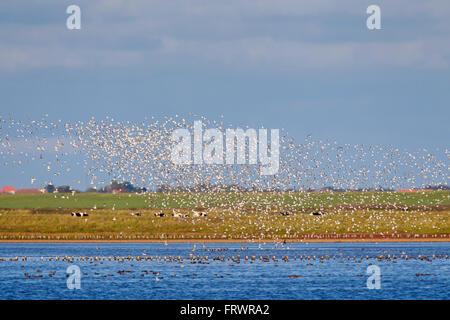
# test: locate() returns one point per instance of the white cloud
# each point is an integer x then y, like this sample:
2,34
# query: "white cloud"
266,52
233,33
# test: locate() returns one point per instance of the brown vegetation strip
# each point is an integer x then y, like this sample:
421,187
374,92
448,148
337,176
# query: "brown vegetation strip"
355,237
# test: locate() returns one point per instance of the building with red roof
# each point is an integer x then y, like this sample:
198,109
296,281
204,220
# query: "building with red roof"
8,189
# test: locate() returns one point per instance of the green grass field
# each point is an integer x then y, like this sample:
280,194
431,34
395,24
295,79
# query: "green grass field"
229,215
222,200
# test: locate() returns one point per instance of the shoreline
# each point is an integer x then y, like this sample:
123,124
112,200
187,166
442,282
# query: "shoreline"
368,240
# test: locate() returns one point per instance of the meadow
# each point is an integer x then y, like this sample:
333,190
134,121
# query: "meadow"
274,216
225,199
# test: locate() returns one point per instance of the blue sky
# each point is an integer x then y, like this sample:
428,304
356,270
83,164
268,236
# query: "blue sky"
310,67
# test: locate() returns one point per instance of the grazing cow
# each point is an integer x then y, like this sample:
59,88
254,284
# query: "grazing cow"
284,213
317,213
179,215
199,214
79,214
159,214
136,214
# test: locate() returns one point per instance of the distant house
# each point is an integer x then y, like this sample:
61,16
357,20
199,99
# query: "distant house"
410,190
29,191
8,189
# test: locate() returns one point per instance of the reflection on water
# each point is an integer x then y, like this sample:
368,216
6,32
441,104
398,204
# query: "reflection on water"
225,271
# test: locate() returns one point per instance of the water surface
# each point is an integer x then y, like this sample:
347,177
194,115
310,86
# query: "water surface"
338,278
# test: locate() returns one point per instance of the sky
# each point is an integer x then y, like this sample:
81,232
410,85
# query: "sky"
309,67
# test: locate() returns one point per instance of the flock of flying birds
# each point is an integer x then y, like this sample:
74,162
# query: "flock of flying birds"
140,153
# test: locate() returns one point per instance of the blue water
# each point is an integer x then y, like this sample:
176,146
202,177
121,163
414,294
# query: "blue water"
333,279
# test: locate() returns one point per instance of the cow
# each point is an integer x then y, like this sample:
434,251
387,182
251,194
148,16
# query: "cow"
199,214
79,214
136,214
179,215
